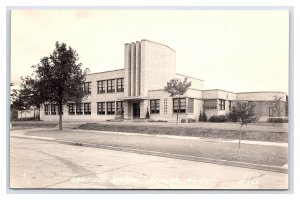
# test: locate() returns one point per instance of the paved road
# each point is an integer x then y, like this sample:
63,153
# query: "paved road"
42,164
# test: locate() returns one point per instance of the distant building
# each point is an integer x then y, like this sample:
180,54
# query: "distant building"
138,87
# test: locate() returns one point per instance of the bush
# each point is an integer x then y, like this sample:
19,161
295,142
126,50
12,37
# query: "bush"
190,120
218,118
278,119
147,114
183,120
152,120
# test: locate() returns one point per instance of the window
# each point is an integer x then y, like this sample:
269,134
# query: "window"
120,107
78,108
101,87
110,108
210,104
191,105
101,108
53,109
111,86
60,111
120,85
87,87
179,105
165,106
47,110
71,108
154,106
87,108
230,104
222,104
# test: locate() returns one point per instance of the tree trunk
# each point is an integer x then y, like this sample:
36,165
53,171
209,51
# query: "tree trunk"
60,117
34,117
240,136
177,110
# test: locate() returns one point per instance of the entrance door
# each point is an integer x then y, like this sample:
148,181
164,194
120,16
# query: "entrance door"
136,110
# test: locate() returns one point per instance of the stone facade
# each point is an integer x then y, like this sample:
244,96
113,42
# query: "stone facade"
138,88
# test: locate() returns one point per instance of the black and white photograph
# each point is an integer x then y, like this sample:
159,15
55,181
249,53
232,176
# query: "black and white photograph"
149,99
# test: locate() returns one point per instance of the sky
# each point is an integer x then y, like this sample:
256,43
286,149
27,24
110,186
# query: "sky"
234,50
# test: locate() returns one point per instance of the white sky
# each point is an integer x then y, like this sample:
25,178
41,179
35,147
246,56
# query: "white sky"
238,51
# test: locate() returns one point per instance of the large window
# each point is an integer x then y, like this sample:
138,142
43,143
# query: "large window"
120,107
101,108
111,86
60,110
79,109
47,109
87,87
110,108
222,104
87,108
190,105
120,85
179,105
101,87
71,108
210,104
154,106
53,109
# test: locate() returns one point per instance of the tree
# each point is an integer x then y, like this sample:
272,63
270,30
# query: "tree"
57,79
243,112
19,102
276,110
177,88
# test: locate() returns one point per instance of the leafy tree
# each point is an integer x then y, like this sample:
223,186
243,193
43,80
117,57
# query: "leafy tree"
57,79
276,110
243,112
177,88
19,102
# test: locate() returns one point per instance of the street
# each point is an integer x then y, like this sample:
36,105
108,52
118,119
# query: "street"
46,164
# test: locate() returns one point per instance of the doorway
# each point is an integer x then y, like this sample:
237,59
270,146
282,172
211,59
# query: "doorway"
136,110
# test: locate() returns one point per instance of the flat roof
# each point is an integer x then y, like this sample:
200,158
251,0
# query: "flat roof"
219,90
105,71
189,77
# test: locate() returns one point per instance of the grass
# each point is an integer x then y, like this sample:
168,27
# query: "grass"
17,125
190,131
249,153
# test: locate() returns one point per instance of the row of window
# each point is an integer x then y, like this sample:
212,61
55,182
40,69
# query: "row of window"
213,105
106,86
112,107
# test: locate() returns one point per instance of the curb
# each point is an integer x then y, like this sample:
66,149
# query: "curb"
164,154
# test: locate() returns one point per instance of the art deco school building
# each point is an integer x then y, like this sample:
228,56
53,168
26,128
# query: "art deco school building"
139,87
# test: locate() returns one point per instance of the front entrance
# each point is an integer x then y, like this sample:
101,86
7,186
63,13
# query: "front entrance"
136,110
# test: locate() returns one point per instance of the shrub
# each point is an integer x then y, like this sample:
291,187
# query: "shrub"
147,114
183,120
190,120
278,119
202,117
218,118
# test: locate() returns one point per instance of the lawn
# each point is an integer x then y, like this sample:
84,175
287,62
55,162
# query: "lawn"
256,135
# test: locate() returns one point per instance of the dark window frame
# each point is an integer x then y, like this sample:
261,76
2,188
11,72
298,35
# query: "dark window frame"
88,87
71,108
181,105
120,106
222,104
87,108
110,85
155,106
53,109
47,109
101,87
110,108
120,85
101,108
79,110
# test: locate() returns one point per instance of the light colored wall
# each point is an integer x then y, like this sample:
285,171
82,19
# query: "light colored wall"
196,83
158,65
260,96
218,94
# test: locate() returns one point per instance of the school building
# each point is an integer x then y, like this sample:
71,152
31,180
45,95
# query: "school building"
138,88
